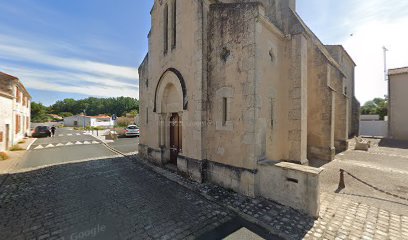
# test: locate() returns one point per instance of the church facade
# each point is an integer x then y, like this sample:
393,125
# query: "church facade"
229,84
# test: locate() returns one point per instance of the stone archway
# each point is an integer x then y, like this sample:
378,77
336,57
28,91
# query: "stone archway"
170,102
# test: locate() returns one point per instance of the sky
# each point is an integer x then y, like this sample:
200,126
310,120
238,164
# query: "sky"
81,48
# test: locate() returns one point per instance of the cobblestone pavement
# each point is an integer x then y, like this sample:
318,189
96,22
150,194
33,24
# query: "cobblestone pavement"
104,199
340,217
123,199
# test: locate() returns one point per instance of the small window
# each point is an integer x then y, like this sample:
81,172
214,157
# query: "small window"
174,24
224,111
147,115
166,28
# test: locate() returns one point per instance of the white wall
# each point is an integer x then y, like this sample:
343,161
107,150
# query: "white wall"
374,128
6,117
89,122
69,121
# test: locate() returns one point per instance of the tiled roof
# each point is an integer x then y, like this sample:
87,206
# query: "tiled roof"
397,71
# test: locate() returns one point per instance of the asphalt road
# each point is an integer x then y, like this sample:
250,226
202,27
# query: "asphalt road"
126,144
67,146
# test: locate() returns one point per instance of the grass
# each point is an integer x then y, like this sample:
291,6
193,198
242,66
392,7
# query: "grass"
3,156
16,148
21,142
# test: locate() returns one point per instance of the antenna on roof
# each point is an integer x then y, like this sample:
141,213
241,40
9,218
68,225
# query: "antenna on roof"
385,63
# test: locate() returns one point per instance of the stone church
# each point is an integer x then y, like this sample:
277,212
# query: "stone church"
229,85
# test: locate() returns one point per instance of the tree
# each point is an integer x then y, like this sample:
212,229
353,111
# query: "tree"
377,106
38,112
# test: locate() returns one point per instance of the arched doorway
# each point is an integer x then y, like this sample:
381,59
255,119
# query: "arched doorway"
169,106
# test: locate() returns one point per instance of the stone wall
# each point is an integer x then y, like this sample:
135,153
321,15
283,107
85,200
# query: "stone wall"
320,132
231,75
290,184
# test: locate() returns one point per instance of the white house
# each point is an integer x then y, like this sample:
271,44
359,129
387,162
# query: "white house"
15,111
89,121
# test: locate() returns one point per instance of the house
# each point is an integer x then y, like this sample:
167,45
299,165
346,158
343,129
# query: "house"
15,108
55,117
89,121
229,86
397,103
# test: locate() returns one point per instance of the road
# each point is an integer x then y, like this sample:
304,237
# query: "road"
73,187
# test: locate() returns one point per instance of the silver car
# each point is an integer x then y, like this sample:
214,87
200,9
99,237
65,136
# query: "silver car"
132,131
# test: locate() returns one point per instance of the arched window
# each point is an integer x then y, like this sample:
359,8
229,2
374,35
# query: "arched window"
166,28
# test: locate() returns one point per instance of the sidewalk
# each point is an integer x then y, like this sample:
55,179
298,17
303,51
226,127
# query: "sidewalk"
15,156
340,217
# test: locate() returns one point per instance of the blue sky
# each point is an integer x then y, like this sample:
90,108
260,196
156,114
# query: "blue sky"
81,48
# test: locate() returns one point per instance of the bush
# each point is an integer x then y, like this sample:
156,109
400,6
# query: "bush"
125,121
3,156
21,142
16,148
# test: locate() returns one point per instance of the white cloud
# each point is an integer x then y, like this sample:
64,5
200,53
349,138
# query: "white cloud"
69,82
18,53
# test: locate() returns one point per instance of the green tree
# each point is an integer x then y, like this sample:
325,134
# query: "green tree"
377,106
39,112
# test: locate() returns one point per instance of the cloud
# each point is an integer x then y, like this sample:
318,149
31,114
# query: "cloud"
19,53
44,67
380,23
69,82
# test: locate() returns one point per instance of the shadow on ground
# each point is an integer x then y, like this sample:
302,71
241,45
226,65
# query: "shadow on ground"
392,143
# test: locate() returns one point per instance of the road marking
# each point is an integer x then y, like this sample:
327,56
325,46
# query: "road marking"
86,142
29,146
49,146
60,144
78,134
95,142
69,134
69,143
78,142
39,147
60,135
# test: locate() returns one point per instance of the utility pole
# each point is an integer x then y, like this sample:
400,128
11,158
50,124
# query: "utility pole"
385,63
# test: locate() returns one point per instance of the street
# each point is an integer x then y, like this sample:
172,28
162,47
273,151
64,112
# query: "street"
73,187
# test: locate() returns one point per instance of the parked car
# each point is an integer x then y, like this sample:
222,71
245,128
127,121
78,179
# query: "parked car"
41,131
132,130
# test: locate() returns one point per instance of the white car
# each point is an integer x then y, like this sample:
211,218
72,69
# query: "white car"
132,130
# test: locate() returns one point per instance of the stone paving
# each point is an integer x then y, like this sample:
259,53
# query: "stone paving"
104,199
121,198
340,217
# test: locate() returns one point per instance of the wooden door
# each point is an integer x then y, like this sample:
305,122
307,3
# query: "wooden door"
175,137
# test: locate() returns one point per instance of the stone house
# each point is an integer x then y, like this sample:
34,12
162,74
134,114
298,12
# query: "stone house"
15,107
231,84
397,103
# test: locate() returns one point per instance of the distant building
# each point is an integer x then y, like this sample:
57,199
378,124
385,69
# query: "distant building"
397,105
14,111
56,117
89,121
